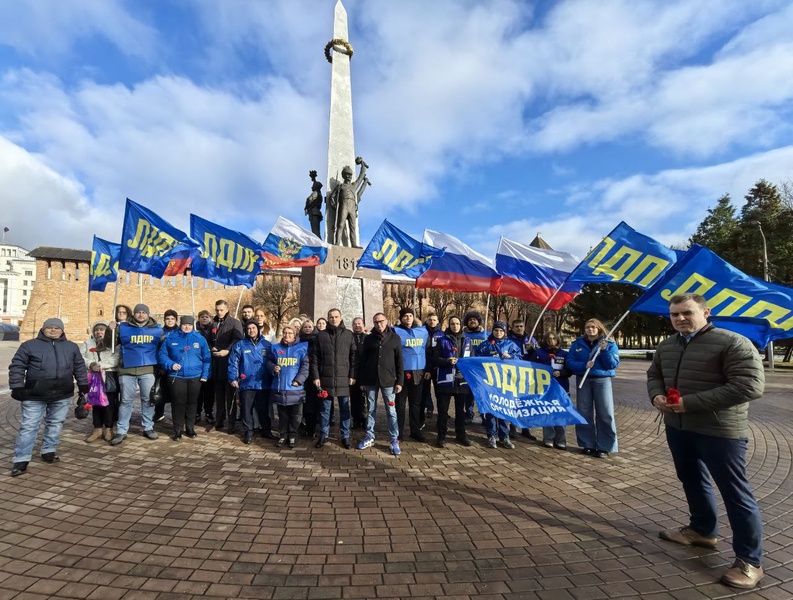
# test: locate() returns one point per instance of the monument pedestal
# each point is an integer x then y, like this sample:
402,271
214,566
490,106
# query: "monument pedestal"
329,286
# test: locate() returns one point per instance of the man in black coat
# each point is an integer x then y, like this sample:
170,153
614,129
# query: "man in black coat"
381,370
227,331
333,363
41,376
358,412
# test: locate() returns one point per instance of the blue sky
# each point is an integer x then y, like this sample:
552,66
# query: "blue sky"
477,118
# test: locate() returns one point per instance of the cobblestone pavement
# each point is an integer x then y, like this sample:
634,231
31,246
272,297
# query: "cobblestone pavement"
212,517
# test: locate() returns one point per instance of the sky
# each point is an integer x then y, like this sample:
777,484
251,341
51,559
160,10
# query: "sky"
477,118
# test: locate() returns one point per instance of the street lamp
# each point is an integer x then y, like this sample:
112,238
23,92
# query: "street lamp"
36,314
766,277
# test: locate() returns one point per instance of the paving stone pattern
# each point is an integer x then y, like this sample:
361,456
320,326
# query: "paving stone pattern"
213,517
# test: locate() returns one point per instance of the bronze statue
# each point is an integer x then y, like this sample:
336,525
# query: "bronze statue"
314,204
342,206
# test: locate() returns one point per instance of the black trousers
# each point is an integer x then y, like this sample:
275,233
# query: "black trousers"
426,395
311,408
206,399
443,414
258,400
359,417
184,397
410,394
224,404
102,416
289,417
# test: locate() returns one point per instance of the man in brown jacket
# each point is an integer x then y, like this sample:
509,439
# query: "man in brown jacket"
702,380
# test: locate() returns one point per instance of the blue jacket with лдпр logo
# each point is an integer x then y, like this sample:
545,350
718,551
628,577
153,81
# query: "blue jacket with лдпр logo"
190,351
247,364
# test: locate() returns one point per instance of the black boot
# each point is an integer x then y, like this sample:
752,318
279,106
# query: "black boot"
18,468
50,457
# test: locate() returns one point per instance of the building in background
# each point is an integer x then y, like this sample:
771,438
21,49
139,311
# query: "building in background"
17,276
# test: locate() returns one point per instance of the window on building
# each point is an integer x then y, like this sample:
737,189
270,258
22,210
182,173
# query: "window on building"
24,292
28,273
24,303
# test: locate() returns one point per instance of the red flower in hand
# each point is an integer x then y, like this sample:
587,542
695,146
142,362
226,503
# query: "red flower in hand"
243,376
92,350
214,330
673,396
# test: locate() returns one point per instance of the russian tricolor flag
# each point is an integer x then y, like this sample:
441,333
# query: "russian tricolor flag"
290,245
460,269
534,274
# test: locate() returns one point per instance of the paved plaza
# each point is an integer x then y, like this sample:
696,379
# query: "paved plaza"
212,517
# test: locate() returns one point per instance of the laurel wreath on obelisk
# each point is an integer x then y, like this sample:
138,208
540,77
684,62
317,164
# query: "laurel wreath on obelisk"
337,42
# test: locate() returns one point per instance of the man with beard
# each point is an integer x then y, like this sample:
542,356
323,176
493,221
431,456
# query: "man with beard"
228,331
333,362
476,334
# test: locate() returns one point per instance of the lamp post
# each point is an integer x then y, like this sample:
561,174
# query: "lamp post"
36,314
766,277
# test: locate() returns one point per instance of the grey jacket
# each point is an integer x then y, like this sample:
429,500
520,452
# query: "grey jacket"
717,373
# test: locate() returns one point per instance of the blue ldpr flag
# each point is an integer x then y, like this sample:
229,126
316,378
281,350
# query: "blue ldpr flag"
149,243
227,256
625,256
521,392
729,293
104,264
392,250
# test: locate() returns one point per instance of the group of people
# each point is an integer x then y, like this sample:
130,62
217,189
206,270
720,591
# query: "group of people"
701,380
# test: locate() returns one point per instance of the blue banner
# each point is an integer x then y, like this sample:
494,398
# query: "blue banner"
625,256
149,244
729,292
227,256
392,250
521,392
104,264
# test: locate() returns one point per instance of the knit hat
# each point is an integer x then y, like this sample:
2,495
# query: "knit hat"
141,307
500,325
405,311
99,323
53,323
186,320
472,314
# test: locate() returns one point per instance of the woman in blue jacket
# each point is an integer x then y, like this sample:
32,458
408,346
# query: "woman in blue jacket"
287,362
552,354
184,354
594,400
497,344
247,374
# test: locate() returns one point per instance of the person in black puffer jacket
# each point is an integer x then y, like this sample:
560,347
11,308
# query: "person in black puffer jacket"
41,376
333,365
308,334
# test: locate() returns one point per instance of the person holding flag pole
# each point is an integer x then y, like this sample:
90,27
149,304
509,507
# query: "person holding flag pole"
594,353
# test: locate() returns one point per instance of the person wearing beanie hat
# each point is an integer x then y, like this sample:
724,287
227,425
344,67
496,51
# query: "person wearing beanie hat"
473,331
184,354
41,376
497,345
414,340
139,339
101,362
247,374
170,321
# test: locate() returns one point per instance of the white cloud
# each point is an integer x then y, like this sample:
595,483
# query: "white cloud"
667,205
48,28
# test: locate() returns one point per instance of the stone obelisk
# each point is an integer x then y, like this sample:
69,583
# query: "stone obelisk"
341,145
337,283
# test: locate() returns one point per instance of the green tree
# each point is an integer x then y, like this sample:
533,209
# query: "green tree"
719,230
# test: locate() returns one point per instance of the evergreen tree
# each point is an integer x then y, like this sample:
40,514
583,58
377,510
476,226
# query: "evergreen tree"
719,230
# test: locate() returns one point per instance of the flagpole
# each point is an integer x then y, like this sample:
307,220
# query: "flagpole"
192,291
239,301
544,308
140,285
115,305
88,316
487,310
608,336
